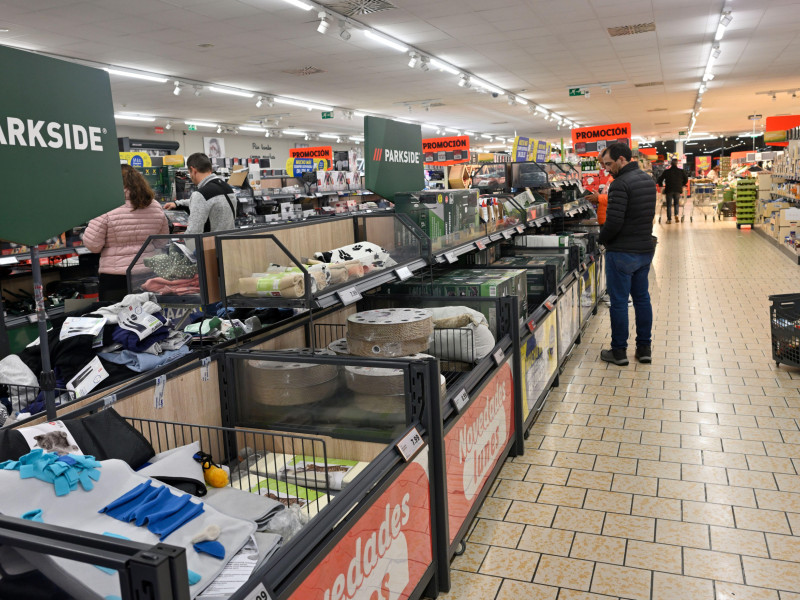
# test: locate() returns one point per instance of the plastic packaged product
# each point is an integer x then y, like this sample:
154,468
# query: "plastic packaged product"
389,332
287,523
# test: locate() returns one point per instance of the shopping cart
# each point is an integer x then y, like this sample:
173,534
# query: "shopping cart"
785,327
681,209
704,198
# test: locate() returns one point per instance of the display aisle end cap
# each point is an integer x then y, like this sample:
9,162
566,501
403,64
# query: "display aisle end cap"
393,157
59,145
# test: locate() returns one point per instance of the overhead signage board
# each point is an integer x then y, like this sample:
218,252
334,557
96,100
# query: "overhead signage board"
592,140
541,151
522,149
577,92
53,132
445,151
297,166
776,129
318,152
328,114
393,157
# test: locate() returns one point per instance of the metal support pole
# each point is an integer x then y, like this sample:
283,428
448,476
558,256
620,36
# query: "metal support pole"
47,378
5,345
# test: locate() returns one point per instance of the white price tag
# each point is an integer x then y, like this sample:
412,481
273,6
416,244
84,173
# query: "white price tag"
158,397
33,318
520,229
480,245
204,362
506,234
82,250
499,356
461,400
450,257
186,252
549,218
349,296
109,400
259,593
410,444
404,273
8,260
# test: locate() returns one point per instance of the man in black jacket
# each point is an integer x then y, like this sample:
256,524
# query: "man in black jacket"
628,237
675,179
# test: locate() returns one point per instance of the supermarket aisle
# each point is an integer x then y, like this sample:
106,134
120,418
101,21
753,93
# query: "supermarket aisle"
671,481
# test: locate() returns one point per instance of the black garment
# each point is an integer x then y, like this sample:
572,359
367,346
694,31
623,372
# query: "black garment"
630,213
113,288
675,179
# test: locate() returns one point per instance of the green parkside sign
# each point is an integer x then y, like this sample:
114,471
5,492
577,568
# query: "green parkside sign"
58,146
392,157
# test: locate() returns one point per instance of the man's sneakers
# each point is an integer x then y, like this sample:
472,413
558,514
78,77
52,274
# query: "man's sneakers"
607,300
615,356
643,354
669,221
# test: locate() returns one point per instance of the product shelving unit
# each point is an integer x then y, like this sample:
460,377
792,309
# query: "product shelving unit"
514,378
746,192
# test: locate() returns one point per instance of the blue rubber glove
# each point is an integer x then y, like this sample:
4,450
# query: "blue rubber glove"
165,526
212,548
34,515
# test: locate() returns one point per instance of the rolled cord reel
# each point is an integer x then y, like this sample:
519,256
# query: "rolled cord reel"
389,332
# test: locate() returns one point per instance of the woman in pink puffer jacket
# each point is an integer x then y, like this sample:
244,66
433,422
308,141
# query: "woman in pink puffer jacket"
119,234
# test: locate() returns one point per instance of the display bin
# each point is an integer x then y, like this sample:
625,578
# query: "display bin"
784,315
30,399
177,269
569,327
587,291
539,351
274,267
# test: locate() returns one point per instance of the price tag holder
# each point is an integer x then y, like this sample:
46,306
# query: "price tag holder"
499,356
531,326
520,228
33,318
109,400
549,218
158,397
460,401
450,257
204,363
549,306
403,273
410,444
349,296
506,234
258,593
82,250
480,245
8,260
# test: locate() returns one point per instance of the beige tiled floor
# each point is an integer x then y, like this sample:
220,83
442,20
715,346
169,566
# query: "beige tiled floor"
671,481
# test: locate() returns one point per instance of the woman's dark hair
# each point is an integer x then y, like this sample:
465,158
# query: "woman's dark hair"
139,191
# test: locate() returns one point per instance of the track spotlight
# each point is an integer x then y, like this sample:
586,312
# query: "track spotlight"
608,90
260,102
511,101
266,133
169,125
219,129
413,59
198,89
774,97
463,81
427,107
425,63
344,32
794,95
178,87
324,22
531,109
306,137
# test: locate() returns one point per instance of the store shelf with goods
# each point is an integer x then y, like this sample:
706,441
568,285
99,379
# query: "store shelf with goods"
746,193
14,321
792,252
318,263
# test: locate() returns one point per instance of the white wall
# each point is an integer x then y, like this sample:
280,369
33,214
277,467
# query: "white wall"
236,146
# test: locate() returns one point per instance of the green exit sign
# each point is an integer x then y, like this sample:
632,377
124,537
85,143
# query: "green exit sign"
681,133
191,127
327,114
577,92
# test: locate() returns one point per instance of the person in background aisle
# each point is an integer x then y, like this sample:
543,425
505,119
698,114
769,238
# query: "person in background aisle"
119,234
713,174
673,179
628,238
213,206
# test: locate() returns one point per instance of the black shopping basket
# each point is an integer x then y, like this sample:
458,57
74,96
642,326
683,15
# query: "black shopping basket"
785,324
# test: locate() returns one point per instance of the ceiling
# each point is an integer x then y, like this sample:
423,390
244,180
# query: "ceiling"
536,49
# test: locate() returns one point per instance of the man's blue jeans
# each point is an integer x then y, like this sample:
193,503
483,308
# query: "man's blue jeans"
673,199
626,275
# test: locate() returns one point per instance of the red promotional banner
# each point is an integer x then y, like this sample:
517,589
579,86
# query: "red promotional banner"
776,127
319,152
474,444
446,150
589,141
388,549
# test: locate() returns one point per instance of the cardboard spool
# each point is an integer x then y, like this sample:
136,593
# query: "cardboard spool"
290,383
389,332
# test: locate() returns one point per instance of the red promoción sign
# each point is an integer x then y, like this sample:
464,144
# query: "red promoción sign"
445,150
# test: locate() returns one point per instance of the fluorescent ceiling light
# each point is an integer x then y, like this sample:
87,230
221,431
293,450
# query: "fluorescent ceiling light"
135,118
489,87
308,105
299,4
385,41
201,123
145,76
501,139
437,64
328,136
294,132
449,130
430,127
356,138
358,113
720,32
496,146
521,101
230,92
249,128
486,137
541,109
